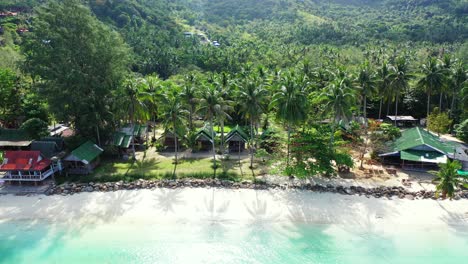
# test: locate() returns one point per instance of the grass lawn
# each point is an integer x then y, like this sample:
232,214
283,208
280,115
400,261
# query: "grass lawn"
161,167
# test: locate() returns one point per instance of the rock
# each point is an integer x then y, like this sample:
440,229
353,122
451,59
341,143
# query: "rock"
348,191
89,189
409,197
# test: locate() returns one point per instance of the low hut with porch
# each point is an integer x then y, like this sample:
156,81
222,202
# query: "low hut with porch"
14,139
204,139
168,141
84,159
418,149
49,147
27,166
236,140
402,121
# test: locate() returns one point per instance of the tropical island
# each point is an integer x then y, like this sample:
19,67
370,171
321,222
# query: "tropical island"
275,108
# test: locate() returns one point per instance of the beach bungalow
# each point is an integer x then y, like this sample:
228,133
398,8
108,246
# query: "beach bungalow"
27,166
236,140
61,130
168,141
14,139
204,139
418,149
402,121
84,159
126,136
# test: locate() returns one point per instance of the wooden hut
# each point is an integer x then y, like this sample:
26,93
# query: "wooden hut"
236,140
84,159
13,139
168,141
204,139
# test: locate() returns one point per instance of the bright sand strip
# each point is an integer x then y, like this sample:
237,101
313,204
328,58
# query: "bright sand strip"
235,206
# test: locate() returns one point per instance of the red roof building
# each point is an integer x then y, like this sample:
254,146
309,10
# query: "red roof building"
26,166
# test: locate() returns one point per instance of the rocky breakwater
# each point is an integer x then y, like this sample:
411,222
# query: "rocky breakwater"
379,192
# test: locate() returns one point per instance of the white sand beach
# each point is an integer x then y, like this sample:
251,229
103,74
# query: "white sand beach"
234,206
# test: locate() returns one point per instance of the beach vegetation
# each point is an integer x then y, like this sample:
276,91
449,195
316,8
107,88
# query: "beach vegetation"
448,180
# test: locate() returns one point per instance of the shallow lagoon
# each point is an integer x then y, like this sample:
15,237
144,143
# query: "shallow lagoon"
224,242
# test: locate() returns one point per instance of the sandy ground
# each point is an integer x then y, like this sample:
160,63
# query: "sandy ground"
234,206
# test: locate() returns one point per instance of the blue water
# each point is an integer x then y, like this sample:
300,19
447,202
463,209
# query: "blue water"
39,242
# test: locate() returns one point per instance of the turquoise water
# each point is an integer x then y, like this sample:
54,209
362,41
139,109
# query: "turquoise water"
221,242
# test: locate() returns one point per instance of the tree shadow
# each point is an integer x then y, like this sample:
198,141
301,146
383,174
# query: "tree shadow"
63,221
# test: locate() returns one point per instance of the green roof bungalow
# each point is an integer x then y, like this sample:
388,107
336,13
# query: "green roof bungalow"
128,135
204,139
168,141
83,159
418,149
14,139
236,139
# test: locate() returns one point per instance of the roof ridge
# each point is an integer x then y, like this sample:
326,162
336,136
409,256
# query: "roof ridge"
420,135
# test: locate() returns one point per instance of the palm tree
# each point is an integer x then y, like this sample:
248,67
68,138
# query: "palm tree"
189,96
213,105
448,179
291,103
458,80
174,114
252,97
384,86
399,79
368,85
154,90
432,80
138,102
339,98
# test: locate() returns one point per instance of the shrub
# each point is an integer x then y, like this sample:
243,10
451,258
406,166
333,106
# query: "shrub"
461,131
35,128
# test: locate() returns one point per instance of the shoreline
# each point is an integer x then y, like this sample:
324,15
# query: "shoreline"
230,206
388,192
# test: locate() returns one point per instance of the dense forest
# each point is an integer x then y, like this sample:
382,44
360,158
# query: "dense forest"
99,63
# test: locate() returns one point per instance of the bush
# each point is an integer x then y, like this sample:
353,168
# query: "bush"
35,128
461,131
439,122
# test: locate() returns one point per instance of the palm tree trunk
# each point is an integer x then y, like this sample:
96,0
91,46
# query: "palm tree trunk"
452,105
388,106
289,143
396,107
380,108
364,110
440,102
176,147
251,143
213,142
222,135
133,130
428,103
191,118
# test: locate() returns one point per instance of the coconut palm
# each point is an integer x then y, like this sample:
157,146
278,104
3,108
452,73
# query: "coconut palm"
153,89
138,100
457,82
448,180
367,84
214,106
252,98
399,78
174,116
383,86
432,80
189,96
291,103
339,98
